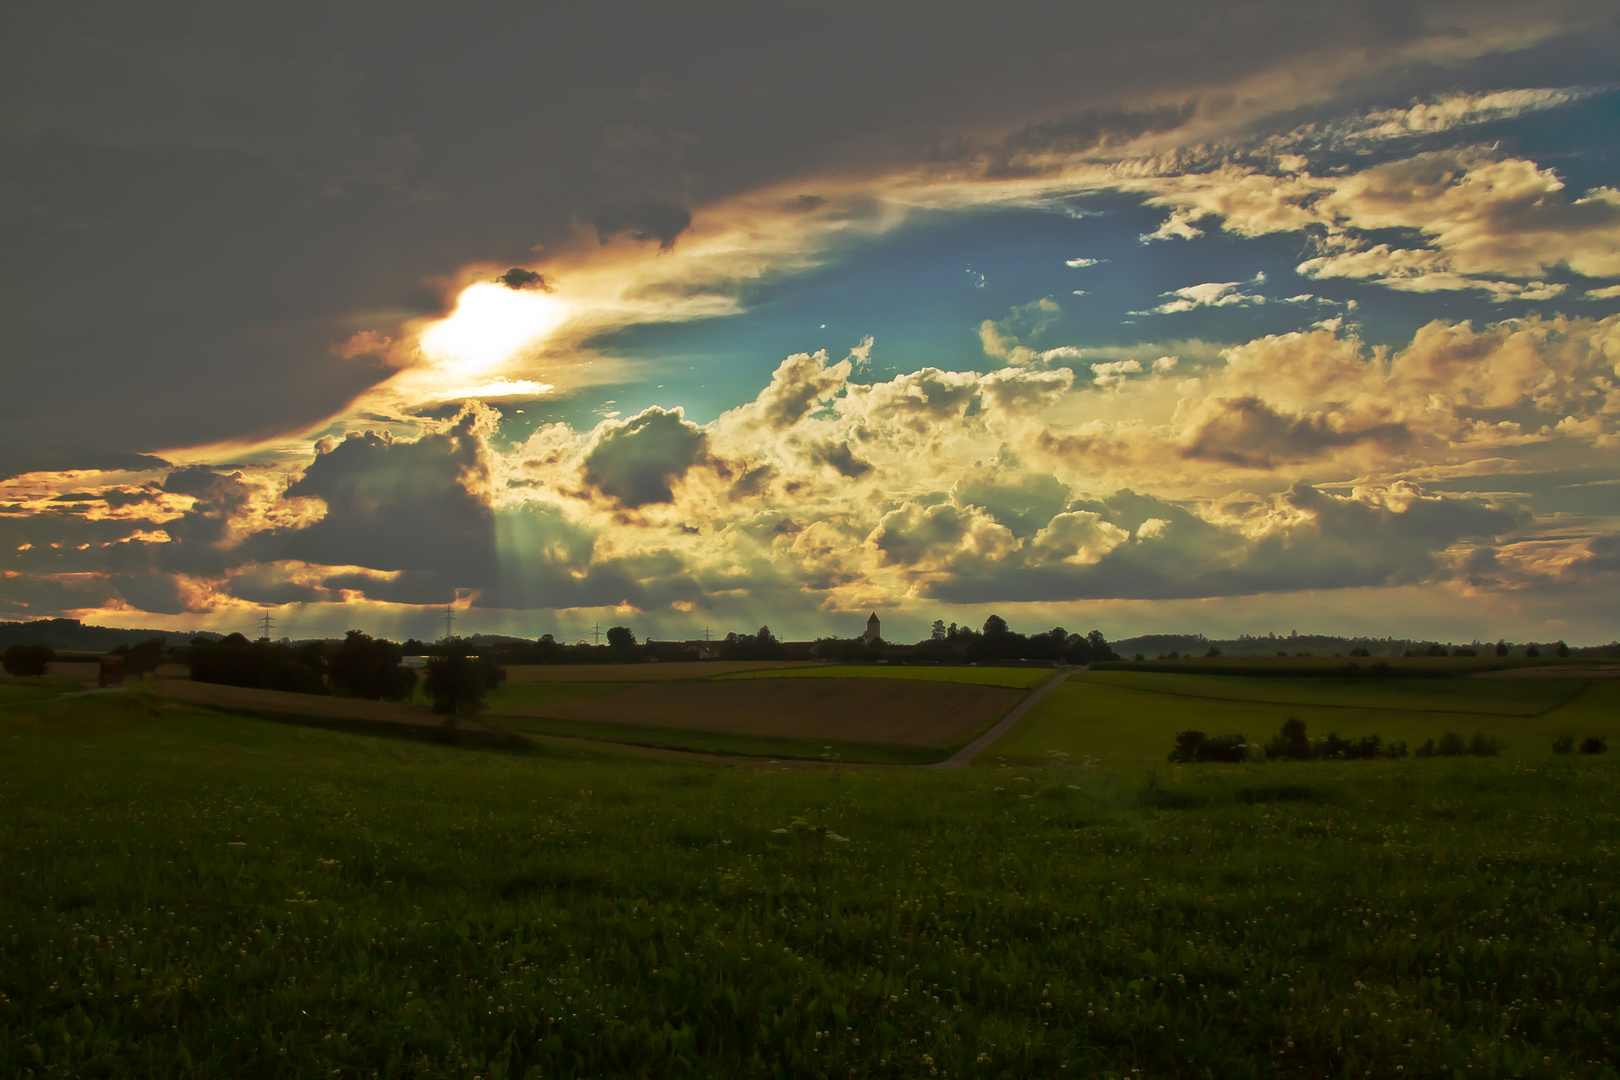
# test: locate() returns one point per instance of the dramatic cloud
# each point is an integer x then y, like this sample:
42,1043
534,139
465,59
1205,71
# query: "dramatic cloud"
658,221
1348,331
635,462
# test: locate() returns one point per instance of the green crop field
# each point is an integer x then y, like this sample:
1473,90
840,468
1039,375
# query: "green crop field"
1133,717
194,894
25,689
1017,678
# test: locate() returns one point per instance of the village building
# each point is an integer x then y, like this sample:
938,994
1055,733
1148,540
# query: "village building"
874,629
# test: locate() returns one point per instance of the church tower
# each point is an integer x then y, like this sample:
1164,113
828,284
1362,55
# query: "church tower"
874,629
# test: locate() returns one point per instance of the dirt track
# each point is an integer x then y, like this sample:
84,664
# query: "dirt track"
885,711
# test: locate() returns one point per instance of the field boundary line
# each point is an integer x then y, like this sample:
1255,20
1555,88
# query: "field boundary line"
1579,693
964,757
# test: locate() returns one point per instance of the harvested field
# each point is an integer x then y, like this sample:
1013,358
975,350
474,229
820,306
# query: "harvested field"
699,669
323,711
880,711
1021,678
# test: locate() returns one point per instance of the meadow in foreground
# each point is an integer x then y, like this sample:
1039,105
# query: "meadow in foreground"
194,894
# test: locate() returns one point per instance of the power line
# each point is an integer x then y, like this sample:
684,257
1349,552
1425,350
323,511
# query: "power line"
449,621
266,623
596,632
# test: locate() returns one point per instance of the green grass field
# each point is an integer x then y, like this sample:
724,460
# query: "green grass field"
33,689
194,894
1017,678
1130,717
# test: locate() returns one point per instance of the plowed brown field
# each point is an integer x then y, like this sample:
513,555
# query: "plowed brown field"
699,669
847,710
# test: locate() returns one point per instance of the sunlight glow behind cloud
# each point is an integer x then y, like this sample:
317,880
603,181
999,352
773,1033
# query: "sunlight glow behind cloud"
490,326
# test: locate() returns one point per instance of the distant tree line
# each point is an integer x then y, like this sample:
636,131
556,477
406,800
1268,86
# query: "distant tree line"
456,678
994,642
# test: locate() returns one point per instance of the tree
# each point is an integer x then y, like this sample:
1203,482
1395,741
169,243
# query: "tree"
262,664
27,660
937,633
141,659
458,678
367,667
1501,648
995,626
621,637
1532,651
1562,650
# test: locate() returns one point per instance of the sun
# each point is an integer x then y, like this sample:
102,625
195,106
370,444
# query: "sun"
490,325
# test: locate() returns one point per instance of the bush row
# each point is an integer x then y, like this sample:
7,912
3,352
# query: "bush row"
1292,743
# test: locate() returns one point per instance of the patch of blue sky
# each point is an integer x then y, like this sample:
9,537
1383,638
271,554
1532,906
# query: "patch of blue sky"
923,291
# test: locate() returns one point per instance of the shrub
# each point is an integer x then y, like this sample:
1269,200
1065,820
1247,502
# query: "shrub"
1359,651
1562,650
1463,650
1426,750
1290,743
1396,748
1564,744
1195,746
1332,747
1532,651
1369,746
1212,653
1451,745
1482,746
1435,650
1595,744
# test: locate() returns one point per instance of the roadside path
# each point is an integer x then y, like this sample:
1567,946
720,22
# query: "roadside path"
964,757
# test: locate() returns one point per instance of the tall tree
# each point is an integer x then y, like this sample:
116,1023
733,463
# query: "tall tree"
367,667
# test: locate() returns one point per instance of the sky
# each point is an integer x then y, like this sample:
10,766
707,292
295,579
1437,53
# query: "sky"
1163,317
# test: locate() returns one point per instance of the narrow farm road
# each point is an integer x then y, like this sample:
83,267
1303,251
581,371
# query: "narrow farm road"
964,757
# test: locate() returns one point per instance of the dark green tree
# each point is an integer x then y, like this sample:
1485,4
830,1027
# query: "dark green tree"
458,678
621,637
27,660
367,667
143,658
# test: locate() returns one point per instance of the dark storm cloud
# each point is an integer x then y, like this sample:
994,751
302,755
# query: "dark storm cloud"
519,278
17,460
401,506
199,201
634,463
1348,543
648,220
839,456
1248,432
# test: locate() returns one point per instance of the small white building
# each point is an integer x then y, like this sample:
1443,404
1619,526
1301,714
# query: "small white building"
874,629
